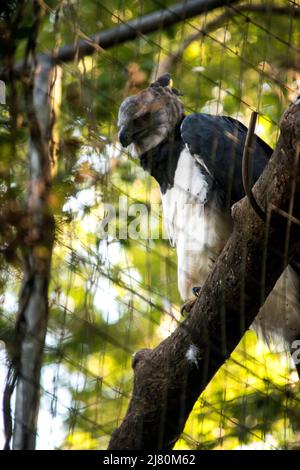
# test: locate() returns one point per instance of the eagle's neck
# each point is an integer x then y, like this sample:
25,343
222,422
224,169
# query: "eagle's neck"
161,161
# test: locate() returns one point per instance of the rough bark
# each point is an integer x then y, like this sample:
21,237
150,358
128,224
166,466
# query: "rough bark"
169,379
130,30
31,326
33,302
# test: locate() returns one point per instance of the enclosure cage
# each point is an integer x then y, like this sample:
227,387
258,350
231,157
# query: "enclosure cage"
88,275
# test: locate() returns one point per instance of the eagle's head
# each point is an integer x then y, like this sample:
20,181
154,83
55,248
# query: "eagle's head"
150,117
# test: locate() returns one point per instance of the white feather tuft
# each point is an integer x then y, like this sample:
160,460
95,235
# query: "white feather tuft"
192,354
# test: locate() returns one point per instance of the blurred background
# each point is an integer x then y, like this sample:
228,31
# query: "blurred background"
110,297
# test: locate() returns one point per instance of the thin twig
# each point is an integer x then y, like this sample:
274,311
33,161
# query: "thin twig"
245,168
169,62
285,214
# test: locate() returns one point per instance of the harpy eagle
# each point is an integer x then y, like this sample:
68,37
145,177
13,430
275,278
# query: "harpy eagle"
197,161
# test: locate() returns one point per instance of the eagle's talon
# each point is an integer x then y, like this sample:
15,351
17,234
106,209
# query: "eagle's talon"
187,306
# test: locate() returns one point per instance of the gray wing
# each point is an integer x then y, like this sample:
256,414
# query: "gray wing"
218,142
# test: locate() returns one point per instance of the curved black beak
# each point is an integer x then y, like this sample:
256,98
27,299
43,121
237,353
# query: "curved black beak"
125,136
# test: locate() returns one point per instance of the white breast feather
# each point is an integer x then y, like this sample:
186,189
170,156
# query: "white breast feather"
197,232
187,196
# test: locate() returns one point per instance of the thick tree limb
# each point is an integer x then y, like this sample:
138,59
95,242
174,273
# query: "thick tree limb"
32,319
169,379
130,30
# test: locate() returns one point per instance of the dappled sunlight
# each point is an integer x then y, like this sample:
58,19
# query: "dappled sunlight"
113,284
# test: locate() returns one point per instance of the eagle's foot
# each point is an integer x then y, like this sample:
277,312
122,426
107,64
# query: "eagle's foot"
189,304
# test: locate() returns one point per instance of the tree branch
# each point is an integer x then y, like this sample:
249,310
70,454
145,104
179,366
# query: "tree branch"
129,30
37,252
170,61
169,379
31,324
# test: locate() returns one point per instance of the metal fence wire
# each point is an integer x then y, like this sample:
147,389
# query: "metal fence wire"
88,275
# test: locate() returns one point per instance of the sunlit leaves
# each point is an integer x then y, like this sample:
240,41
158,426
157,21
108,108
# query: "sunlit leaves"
110,297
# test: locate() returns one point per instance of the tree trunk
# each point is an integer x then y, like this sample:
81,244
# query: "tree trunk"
169,379
37,251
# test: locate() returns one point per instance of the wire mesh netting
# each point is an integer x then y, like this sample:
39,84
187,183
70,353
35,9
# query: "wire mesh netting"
113,285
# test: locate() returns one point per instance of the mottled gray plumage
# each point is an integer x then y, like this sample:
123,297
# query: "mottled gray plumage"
149,118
